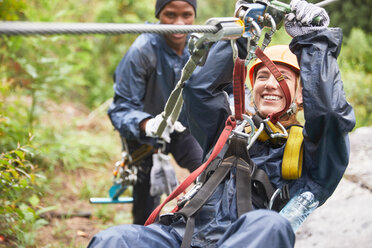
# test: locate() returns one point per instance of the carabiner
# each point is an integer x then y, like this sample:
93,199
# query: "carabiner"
253,42
256,135
270,33
234,48
240,130
273,134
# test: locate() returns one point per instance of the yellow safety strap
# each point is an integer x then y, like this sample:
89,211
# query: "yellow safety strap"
293,152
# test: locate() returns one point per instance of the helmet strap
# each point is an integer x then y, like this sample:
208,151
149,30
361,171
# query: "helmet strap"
292,110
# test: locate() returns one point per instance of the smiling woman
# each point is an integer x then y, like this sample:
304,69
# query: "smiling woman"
268,97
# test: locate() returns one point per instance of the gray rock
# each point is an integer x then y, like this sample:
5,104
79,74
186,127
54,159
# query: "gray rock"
345,220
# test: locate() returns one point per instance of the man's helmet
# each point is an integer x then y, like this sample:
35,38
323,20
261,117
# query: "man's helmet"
278,54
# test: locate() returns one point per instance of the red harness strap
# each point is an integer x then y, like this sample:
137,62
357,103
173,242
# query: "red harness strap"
274,117
229,126
239,75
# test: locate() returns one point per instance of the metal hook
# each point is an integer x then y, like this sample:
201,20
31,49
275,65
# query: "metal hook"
234,48
253,43
239,130
279,135
270,33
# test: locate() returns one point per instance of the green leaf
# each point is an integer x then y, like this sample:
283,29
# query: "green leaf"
31,71
20,154
46,209
40,223
34,200
23,182
4,161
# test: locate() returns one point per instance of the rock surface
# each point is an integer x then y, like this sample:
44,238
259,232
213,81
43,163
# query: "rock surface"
345,220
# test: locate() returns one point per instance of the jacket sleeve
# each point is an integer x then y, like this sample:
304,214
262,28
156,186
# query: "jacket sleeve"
126,111
328,116
206,93
205,102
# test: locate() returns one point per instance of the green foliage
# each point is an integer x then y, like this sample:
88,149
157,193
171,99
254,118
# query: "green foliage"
10,10
221,8
12,130
356,67
351,14
74,149
19,197
357,51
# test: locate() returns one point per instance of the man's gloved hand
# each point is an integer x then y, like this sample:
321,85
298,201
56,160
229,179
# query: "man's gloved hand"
300,22
153,124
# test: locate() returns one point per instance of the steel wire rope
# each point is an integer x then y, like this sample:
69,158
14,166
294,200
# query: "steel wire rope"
43,28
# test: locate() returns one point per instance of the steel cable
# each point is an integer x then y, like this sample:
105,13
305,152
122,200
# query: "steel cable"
43,28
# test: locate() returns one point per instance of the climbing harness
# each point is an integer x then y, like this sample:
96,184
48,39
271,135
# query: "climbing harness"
252,187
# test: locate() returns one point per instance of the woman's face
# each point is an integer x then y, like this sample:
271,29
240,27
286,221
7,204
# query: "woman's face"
267,94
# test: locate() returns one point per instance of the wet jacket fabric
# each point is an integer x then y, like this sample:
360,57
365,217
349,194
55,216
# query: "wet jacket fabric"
144,79
328,117
270,230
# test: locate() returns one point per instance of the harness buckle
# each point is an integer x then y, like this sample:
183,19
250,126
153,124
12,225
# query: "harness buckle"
182,201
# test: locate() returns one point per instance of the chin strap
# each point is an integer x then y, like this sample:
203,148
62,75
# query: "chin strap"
274,117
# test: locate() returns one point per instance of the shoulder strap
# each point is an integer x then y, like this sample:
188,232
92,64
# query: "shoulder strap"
293,154
208,188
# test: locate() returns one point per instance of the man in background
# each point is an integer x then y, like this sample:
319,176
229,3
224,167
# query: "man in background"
144,79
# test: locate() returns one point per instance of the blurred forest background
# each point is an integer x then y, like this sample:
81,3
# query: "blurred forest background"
55,138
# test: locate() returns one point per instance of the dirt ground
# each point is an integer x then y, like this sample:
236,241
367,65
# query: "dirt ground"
67,230
343,221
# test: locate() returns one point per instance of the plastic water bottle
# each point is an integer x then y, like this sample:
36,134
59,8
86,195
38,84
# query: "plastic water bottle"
298,208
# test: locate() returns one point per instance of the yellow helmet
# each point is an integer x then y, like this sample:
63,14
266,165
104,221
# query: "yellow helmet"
280,54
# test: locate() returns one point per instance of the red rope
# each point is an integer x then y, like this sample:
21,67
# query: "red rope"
239,75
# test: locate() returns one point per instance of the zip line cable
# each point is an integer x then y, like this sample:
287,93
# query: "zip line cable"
44,28
52,28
